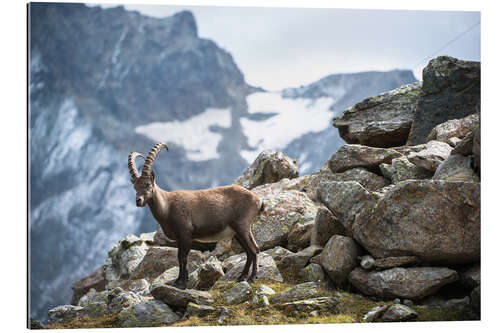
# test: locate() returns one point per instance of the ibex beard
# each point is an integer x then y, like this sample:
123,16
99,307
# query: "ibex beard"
205,215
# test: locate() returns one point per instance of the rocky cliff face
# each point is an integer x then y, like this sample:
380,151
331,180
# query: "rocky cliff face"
105,82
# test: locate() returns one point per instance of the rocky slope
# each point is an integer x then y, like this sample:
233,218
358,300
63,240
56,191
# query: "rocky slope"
105,82
386,223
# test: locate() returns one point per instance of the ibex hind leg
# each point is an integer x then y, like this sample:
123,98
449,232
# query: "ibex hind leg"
256,250
244,274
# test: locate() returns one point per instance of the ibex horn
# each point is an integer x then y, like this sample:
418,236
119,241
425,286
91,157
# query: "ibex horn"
134,174
146,170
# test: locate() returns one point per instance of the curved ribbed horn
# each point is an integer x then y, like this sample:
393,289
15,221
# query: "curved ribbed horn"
134,174
146,170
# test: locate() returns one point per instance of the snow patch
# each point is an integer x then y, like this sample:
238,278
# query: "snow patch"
194,134
294,118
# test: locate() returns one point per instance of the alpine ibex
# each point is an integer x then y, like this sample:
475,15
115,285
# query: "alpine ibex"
205,215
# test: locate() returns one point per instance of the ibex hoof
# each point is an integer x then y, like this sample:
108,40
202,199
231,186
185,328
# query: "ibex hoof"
241,278
251,279
180,284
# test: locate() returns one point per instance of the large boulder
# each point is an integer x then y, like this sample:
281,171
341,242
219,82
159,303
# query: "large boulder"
147,313
282,211
269,167
454,128
95,280
64,313
409,283
450,90
300,236
339,258
325,226
437,221
380,121
326,305
344,199
429,158
357,156
456,168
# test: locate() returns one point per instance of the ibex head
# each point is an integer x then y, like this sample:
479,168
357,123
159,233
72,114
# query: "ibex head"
144,184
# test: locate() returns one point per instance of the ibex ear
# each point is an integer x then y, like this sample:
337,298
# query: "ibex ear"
152,176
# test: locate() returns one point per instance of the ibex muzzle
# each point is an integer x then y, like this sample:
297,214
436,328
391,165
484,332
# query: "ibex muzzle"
205,215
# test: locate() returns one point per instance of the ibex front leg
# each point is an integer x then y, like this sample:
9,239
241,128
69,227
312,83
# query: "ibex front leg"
184,246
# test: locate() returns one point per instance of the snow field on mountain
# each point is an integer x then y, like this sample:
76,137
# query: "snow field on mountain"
294,118
195,134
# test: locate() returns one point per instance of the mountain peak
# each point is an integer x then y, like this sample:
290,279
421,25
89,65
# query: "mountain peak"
185,23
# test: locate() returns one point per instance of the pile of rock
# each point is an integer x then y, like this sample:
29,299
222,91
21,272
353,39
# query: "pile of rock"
393,221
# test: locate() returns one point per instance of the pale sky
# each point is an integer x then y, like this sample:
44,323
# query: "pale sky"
276,48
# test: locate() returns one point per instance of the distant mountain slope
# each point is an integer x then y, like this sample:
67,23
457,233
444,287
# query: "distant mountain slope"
107,82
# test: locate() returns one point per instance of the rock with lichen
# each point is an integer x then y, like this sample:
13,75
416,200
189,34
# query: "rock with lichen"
381,121
269,167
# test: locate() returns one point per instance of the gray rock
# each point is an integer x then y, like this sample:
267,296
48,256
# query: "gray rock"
147,313
454,128
64,313
323,304
410,283
375,313
313,273
298,292
407,302
179,297
475,299
339,257
265,290
193,309
95,280
119,299
238,293
456,168
355,156
300,236
139,287
223,314
380,121
282,211
429,158
399,312
160,258
344,199
450,90
325,226
208,273
124,258
437,221
390,262
260,300
277,253
267,268
269,167
402,169
471,277
170,275
454,303
294,262
367,262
